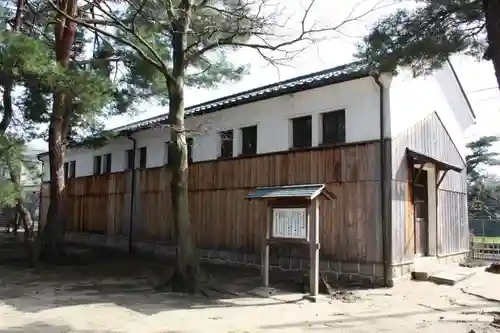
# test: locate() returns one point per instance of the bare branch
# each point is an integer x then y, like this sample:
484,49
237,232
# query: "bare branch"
306,34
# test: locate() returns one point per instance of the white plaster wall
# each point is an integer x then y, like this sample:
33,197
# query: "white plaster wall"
412,99
360,99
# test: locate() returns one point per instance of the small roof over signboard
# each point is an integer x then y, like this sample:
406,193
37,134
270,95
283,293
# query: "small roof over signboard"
306,191
418,158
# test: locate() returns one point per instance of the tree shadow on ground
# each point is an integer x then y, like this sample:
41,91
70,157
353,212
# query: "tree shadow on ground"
41,327
100,276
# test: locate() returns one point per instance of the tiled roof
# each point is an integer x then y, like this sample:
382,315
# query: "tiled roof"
308,191
314,80
323,78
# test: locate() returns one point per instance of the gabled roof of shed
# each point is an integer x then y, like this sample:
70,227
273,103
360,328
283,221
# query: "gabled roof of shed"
419,158
306,191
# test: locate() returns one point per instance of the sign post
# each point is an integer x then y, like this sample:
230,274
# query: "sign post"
292,216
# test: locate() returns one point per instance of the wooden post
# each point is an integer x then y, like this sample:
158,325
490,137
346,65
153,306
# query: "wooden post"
314,248
265,247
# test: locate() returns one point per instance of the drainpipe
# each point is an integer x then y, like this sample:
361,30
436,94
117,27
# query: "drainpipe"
132,195
38,157
386,227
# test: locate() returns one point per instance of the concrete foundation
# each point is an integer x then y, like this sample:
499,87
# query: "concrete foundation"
426,264
367,274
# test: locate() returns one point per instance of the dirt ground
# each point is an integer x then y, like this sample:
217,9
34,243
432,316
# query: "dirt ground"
114,293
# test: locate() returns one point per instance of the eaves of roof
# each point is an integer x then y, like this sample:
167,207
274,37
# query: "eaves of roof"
348,72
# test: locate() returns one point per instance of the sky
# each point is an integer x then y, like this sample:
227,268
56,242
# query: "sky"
335,49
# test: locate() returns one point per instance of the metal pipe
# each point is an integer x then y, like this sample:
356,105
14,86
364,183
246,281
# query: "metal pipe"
386,222
40,203
132,194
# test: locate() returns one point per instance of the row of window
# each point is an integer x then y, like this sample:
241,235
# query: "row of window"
332,125
102,164
248,142
70,169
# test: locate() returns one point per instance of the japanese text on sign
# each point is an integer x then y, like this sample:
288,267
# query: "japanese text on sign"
289,223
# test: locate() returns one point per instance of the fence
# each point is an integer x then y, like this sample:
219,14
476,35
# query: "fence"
485,239
223,220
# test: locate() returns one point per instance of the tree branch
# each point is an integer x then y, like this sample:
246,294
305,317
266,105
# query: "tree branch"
304,34
159,65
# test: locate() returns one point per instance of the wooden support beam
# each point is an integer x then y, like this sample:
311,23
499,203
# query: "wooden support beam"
441,179
314,248
265,247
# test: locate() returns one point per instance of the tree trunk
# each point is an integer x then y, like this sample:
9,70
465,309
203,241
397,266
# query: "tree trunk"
187,268
491,10
14,222
186,274
26,219
50,241
20,209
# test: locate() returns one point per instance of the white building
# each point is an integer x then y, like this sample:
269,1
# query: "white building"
410,100
417,175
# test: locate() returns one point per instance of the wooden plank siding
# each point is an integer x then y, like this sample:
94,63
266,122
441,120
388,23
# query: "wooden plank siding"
428,137
223,218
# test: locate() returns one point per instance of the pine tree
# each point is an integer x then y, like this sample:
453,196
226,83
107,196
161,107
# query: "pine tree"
425,37
483,194
45,61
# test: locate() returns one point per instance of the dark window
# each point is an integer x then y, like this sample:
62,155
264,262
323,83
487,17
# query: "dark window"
302,133
107,163
334,127
143,151
189,143
97,165
72,169
249,140
66,170
226,143
129,159
166,158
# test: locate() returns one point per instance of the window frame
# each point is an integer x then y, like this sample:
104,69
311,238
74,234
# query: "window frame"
72,170
107,163
243,145
166,152
129,160
337,131
97,165
66,170
226,147
296,144
190,144
143,157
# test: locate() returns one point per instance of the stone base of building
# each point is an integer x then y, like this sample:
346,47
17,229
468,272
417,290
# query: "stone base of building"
403,270
366,274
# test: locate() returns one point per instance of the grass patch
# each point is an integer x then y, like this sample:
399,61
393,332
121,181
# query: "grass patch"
487,240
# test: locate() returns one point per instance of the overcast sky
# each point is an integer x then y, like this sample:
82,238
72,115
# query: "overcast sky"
336,49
